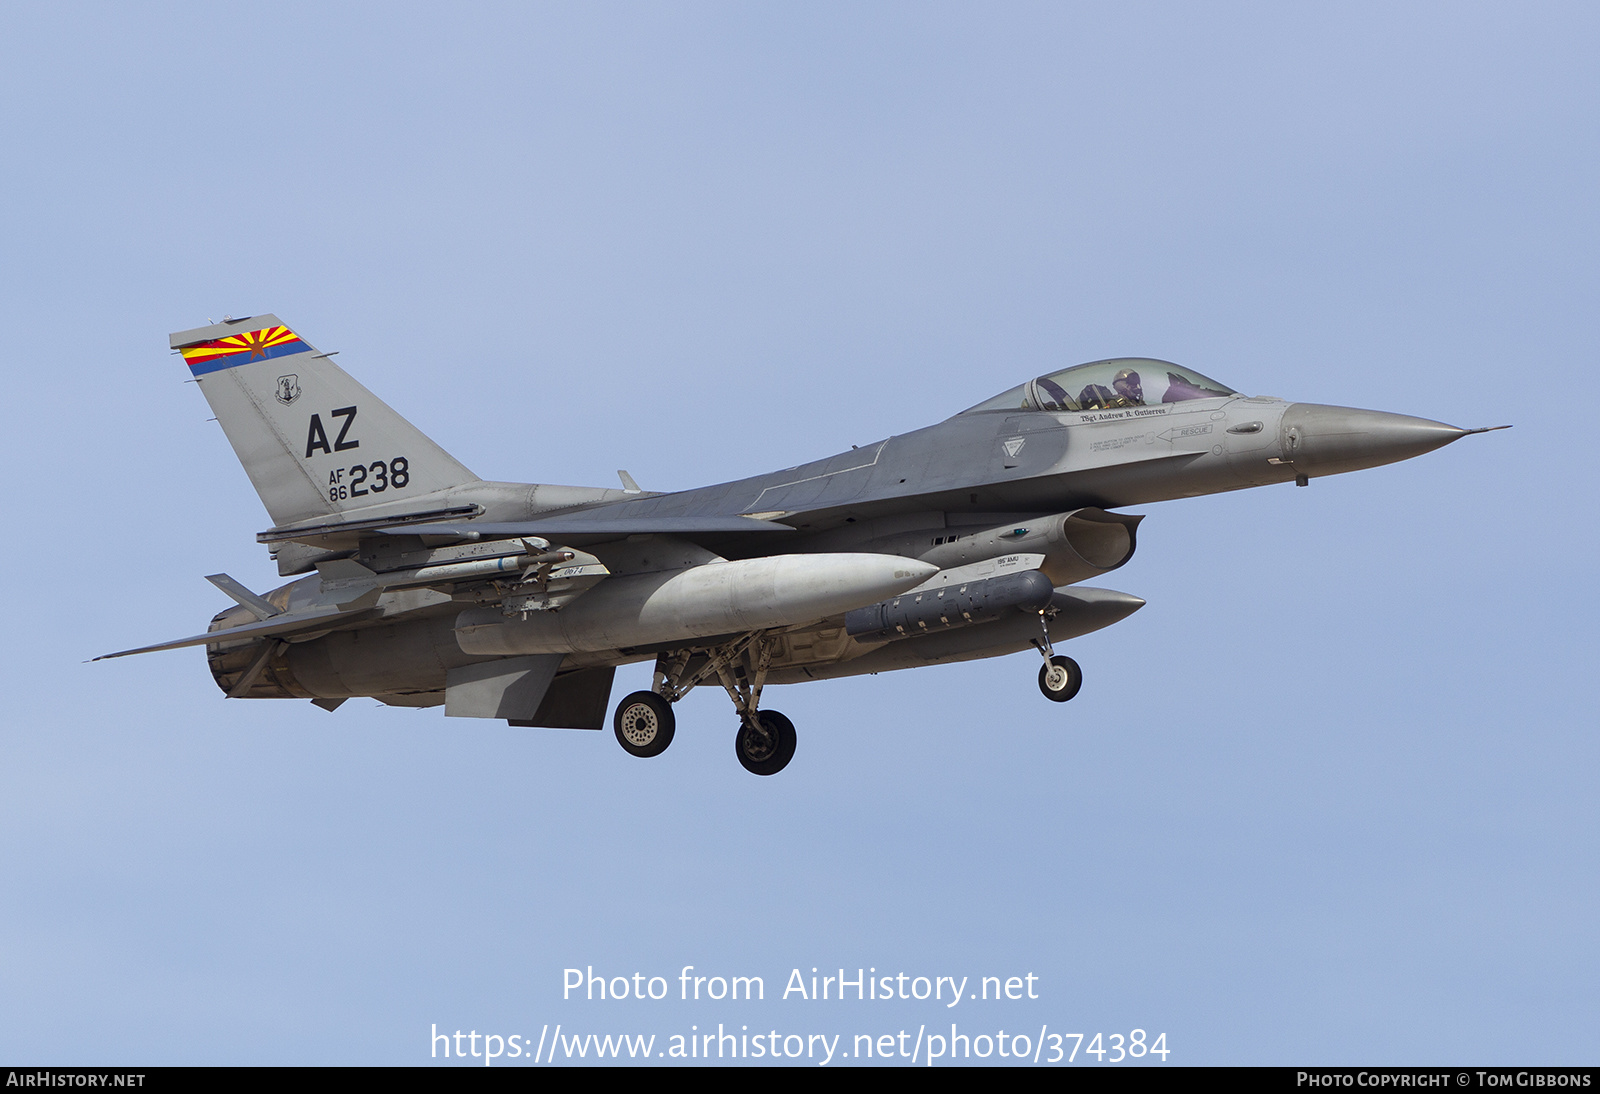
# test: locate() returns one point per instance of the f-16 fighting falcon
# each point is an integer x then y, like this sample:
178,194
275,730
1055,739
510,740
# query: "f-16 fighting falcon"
426,586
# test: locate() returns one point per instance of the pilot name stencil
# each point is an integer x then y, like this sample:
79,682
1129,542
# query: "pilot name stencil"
1118,415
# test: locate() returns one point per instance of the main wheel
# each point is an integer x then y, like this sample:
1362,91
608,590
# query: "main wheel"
1060,679
644,723
768,749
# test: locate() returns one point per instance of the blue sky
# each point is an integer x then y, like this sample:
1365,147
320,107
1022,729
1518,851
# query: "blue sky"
1327,799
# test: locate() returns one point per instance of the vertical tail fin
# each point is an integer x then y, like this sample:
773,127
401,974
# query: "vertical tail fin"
313,441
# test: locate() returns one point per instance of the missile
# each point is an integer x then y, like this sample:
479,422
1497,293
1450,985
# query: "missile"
473,570
713,598
345,574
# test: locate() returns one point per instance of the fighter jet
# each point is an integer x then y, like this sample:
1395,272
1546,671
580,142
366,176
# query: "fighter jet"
426,586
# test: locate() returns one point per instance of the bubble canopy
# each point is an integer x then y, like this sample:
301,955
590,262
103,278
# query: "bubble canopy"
1103,385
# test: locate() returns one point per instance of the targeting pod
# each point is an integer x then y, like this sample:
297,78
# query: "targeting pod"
930,610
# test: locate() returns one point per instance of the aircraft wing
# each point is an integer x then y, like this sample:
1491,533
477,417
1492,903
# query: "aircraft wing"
317,619
597,526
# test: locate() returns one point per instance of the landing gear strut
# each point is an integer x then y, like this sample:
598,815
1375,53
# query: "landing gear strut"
765,741
1060,677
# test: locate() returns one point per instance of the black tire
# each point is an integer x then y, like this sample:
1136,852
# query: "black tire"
1065,674
769,750
644,723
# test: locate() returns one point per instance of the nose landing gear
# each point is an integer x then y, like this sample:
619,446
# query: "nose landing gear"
1060,677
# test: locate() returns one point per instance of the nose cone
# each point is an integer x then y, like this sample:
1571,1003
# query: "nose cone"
1327,440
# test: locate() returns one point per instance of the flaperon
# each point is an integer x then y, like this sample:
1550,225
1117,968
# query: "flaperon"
428,586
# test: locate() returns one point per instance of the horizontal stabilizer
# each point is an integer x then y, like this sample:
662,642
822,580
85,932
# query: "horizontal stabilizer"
311,532
600,527
320,619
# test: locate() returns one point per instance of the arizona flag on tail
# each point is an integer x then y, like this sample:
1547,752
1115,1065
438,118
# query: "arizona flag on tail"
240,349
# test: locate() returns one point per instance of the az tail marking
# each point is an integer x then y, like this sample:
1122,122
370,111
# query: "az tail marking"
317,437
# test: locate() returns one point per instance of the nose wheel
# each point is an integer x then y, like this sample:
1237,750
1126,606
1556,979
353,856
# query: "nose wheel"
1060,678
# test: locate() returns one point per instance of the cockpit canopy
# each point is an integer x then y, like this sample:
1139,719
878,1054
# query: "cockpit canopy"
1102,385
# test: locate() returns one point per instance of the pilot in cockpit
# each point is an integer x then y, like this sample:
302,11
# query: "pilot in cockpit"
1125,390
1129,391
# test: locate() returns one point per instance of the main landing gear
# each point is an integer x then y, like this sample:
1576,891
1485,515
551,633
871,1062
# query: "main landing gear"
644,723
765,741
765,744
1060,677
